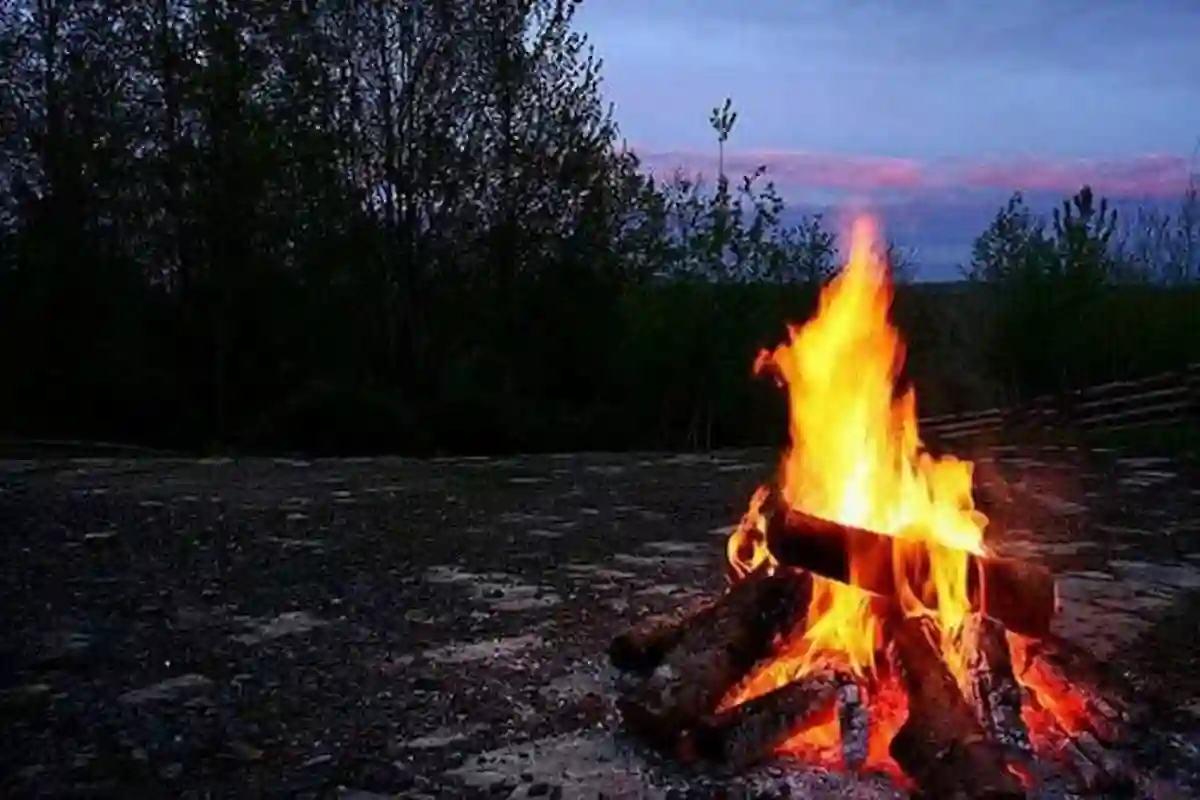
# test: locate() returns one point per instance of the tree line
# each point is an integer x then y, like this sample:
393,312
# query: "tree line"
356,225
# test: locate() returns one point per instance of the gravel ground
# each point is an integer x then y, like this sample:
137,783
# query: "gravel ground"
391,627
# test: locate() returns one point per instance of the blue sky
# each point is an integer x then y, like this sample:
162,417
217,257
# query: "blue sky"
933,109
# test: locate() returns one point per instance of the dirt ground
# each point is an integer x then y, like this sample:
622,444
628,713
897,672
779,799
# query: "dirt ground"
390,627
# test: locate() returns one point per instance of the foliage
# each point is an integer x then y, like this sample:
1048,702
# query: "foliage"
227,211
365,225
1161,247
1067,300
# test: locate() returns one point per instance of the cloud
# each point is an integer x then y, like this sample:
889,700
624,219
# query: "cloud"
1154,175
1151,176
936,207
853,173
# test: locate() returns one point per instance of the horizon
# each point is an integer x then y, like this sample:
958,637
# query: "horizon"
929,115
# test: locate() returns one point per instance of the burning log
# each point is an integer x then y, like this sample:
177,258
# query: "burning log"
751,731
715,651
1017,594
642,647
941,745
1046,663
993,689
1080,723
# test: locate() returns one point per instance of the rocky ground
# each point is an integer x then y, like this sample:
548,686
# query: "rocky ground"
391,627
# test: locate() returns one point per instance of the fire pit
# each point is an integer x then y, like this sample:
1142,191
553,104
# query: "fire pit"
866,625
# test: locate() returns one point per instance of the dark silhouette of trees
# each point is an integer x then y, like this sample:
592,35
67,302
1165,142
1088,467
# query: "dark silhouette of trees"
349,225
1070,302
219,215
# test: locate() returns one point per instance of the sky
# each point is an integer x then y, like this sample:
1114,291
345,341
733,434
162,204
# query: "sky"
929,112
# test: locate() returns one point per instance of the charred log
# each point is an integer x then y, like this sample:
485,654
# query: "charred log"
853,721
1048,662
1080,733
993,689
715,651
1020,595
941,745
753,730
1093,767
644,645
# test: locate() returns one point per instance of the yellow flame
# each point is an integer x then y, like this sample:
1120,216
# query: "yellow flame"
855,456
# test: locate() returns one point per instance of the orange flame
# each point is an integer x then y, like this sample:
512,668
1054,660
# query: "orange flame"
855,456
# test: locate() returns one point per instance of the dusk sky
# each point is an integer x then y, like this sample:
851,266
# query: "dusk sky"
929,111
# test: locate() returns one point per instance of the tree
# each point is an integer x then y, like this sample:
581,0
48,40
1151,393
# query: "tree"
1045,285
1013,245
1162,247
384,197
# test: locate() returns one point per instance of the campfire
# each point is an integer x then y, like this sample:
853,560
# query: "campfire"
867,626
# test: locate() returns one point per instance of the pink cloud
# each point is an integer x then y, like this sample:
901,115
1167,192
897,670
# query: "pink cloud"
817,170
1153,175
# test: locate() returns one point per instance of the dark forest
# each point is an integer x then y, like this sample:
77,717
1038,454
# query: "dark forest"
360,226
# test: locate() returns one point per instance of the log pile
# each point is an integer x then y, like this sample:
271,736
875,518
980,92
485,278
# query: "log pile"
958,741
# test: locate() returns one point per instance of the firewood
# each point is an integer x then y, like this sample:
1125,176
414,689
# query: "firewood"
1094,718
751,731
715,652
1111,762
1020,595
1095,768
941,745
1049,661
853,721
992,688
1089,775
642,647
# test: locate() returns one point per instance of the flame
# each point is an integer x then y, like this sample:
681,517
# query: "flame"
855,456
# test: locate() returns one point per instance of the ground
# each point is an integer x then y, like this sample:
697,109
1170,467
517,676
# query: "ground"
392,627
